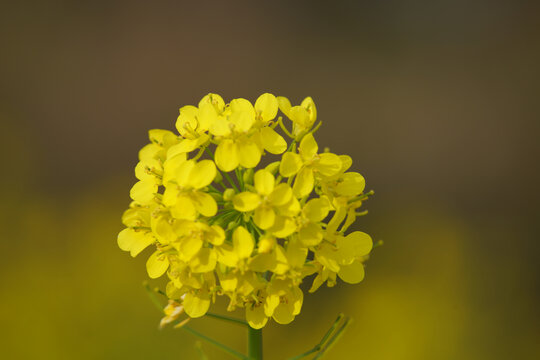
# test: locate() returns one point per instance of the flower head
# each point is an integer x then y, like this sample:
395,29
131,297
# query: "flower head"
220,224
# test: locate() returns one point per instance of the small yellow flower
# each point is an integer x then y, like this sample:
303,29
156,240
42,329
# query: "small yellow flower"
184,195
303,116
306,164
172,311
235,255
265,201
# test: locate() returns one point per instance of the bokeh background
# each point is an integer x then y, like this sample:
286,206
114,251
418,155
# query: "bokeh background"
436,101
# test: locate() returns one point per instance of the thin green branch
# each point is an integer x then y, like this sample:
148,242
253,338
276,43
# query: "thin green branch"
227,318
199,154
324,344
333,339
282,126
152,296
216,343
202,355
240,178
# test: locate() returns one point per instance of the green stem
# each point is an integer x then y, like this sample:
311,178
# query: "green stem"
255,343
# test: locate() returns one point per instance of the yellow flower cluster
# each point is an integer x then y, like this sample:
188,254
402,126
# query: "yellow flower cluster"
218,226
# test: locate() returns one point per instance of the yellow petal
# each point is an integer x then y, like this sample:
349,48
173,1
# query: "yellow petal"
204,261
134,241
196,304
150,152
352,274
220,127
242,105
207,116
262,262
187,145
246,201
216,236
281,195
227,256
204,203
143,191
249,153
297,298
296,254
284,105
146,169
184,208
272,141
202,174
316,209
163,138
187,120
308,147
172,166
245,286
183,173
326,256
243,242
346,163
255,316
309,105
318,281
188,247
328,164
300,117
266,106
283,227
356,244
264,182
303,184
291,208
243,114
163,230
170,195
227,158
228,282
136,217
282,264
264,217
290,164
176,150
283,313
273,167
157,264
310,235
351,184
213,99
173,291
266,244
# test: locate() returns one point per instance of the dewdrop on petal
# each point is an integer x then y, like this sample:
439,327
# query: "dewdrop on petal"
215,221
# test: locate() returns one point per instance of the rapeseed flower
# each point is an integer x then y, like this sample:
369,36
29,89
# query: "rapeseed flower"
219,223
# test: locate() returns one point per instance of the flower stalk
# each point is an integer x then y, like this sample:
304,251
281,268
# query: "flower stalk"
255,344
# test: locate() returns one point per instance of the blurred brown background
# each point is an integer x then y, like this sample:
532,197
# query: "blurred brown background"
436,101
